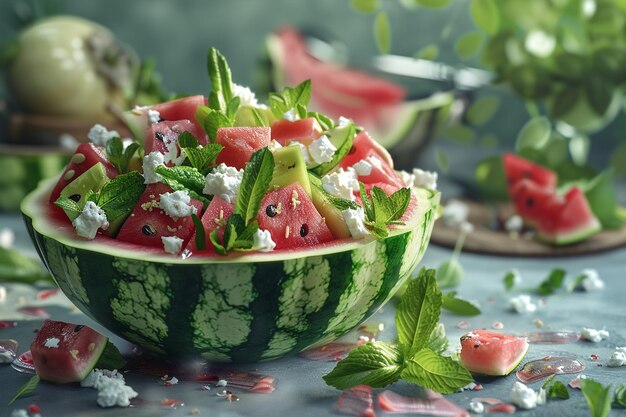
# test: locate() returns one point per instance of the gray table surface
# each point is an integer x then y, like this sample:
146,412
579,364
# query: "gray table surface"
300,388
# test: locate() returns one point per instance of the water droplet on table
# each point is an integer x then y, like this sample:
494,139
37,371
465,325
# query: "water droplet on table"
550,365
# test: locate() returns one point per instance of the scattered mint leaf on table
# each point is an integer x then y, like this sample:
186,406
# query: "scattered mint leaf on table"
597,396
555,389
26,389
552,282
509,280
439,373
438,342
458,305
257,176
619,398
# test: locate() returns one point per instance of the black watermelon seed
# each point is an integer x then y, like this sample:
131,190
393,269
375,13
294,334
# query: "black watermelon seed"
160,136
271,210
530,202
148,230
78,328
75,197
304,230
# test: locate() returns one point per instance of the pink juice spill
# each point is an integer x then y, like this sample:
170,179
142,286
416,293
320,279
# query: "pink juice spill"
502,408
263,384
42,295
541,368
24,363
34,311
7,324
554,337
330,352
357,400
432,404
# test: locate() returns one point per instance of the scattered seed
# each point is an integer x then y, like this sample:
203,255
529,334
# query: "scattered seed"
69,175
463,324
498,325
538,323
78,158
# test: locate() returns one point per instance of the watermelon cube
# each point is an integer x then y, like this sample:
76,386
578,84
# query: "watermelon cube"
240,143
216,214
304,130
181,109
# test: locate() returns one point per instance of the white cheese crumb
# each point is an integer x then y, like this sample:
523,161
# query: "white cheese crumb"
114,392
90,220
263,241
305,151
291,115
150,162
594,335
172,155
224,181
343,121
618,358
153,117
172,381
525,397
355,220
221,383
362,168
52,342
341,183
99,135
322,150
407,178
274,145
93,379
172,244
592,281
19,413
176,204
476,407
514,224
522,304
3,294
467,228
246,96
7,237
425,179
455,212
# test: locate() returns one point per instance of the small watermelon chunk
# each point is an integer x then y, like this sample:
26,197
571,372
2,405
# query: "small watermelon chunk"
381,172
292,219
162,137
240,143
532,200
361,147
147,223
66,352
181,109
216,214
517,168
489,353
303,130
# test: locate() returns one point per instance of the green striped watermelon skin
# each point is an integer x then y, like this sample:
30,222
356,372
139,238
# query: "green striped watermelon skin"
234,311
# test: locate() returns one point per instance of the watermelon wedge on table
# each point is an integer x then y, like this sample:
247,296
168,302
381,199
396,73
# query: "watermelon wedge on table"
490,353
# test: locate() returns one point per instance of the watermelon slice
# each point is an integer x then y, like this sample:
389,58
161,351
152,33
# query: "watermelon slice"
304,130
66,352
532,200
490,353
216,214
240,143
517,168
361,147
292,219
181,109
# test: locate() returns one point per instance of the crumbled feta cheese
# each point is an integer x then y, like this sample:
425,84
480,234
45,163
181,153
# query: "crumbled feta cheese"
221,383
150,162
305,151
246,96
274,145
592,281
407,178
341,183
263,241
172,155
455,212
99,135
343,121
7,237
514,224
618,358
172,244
466,228
594,335
171,381
19,413
95,376
114,392
355,220
322,150
476,407
90,220
522,304
153,117
525,397
425,179
224,182
362,168
176,204
291,115
52,342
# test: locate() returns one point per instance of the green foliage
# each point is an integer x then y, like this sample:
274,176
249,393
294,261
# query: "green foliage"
485,15
469,44
597,396
449,273
430,369
482,110
365,6
433,4
238,236
552,282
534,135
429,52
296,98
442,160
17,267
111,358
27,388
382,32
619,398
201,158
188,177
458,305
555,389
490,179
256,179
509,280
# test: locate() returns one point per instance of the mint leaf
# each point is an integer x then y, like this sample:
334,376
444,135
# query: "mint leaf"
259,119
381,210
376,364
188,177
17,267
200,157
119,196
458,305
552,282
231,109
177,186
237,236
418,313
212,120
26,389
438,342
449,273
597,396
296,98
619,398
578,281
325,122
555,389
509,280
602,198
200,232
221,80
187,140
118,156
257,176
111,358
69,205
436,372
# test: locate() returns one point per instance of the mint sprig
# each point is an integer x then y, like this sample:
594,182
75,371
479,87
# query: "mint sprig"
417,356
221,81
598,397
458,305
552,282
381,210
296,98
119,196
27,388
555,389
118,155
257,176
325,122
201,158
211,120
237,237
188,178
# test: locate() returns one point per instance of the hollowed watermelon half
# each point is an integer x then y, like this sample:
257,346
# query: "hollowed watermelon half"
489,353
241,308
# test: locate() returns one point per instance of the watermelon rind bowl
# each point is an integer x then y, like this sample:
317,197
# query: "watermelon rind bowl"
241,309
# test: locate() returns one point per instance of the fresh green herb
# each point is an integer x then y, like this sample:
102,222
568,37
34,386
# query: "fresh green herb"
187,140
212,120
597,396
221,81
238,236
382,32
177,186
577,282
458,305
188,177
416,358
449,273
259,118
325,122
69,206
382,211
118,155
553,282
17,267
619,398
119,196
257,176
26,389
509,280
201,158
111,358
296,98
346,135
200,232
555,389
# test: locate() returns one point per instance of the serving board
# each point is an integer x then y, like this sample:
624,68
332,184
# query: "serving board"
487,240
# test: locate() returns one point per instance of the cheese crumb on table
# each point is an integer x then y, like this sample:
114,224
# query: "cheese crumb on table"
618,358
591,281
594,335
525,397
522,304
476,407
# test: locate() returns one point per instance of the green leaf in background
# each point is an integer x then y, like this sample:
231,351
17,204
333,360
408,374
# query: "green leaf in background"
485,15
429,52
442,160
619,398
460,134
579,148
489,140
535,134
469,44
438,342
439,373
365,6
449,273
618,160
382,33
490,179
597,396
600,193
564,101
458,305
509,280
552,282
17,267
433,4
376,364
482,110
27,388
599,94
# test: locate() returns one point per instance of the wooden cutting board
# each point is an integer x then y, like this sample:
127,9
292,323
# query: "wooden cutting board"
486,239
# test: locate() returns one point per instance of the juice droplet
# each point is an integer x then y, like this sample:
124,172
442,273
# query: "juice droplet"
24,363
431,403
550,365
554,337
357,401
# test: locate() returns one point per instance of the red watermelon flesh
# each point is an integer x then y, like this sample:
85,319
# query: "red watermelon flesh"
361,147
490,353
148,223
85,156
534,202
66,352
240,143
182,109
216,214
381,172
303,130
292,219
160,135
517,168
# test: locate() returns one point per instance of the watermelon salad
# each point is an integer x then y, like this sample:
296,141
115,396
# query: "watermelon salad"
218,175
